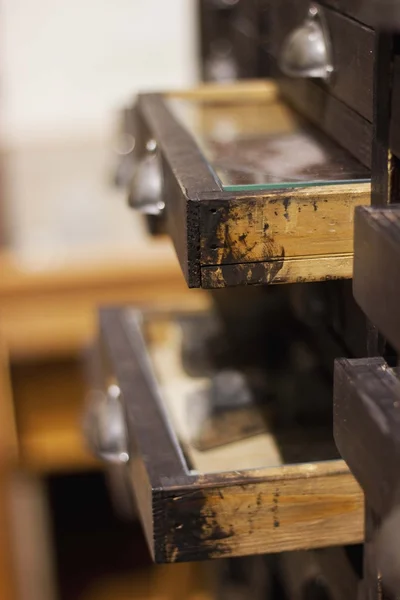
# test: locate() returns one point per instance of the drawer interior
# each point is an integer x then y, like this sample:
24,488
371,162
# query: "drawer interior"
255,144
238,481
253,193
265,429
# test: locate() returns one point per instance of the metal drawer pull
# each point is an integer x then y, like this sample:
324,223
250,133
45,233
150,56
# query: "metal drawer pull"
104,426
146,189
126,164
307,50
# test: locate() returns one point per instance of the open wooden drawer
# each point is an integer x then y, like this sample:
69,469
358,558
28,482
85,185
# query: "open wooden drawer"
253,194
263,492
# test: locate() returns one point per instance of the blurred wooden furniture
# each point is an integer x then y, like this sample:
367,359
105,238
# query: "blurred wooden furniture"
48,318
7,454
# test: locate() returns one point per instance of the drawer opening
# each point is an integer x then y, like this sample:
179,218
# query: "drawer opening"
223,506
232,410
253,193
264,145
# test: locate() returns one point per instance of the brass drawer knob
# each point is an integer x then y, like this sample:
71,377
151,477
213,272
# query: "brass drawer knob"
307,50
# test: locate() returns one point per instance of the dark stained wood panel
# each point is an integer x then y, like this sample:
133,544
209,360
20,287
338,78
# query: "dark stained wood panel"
376,283
395,110
302,227
367,426
350,130
353,60
356,9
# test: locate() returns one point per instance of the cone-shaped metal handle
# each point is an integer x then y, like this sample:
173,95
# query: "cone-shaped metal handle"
146,189
104,426
307,50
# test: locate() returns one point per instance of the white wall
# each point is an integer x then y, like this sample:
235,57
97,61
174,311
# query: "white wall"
66,65
66,68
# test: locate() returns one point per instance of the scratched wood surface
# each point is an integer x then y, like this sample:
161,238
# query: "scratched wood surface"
190,516
304,222
266,511
278,271
263,229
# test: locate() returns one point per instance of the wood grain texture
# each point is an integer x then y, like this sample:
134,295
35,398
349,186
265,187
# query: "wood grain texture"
290,270
248,90
267,511
212,226
299,222
376,282
187,516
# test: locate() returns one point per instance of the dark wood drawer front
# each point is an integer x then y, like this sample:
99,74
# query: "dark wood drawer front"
376,283
353,60
395,118
336,119
352,52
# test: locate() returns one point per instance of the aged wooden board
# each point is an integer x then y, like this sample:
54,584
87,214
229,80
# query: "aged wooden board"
271,228
311,221
191,516
303,507
283,270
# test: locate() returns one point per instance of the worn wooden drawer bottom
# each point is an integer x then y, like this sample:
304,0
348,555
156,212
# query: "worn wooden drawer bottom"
234,499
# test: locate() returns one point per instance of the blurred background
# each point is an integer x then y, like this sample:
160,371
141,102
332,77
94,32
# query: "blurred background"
67,68
68,244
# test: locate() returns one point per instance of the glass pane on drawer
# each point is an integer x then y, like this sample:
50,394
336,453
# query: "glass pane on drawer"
259,144
227,413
